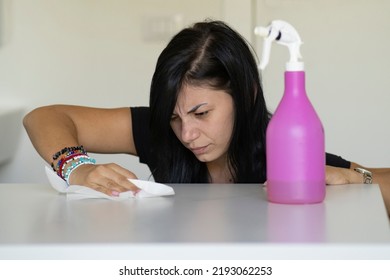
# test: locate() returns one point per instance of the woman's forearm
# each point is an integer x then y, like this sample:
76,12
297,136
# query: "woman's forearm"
53,128
50,129
384,184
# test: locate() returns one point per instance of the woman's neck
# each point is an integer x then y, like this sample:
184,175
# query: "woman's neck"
220,172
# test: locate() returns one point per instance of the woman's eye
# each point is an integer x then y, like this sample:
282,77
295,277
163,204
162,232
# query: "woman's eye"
201,114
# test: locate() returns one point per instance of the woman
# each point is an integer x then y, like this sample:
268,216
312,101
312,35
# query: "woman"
206,122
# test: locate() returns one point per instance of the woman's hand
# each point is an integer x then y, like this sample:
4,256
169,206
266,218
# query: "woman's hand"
110,179
340,176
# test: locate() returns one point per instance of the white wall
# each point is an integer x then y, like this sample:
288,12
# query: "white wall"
346,54
90,52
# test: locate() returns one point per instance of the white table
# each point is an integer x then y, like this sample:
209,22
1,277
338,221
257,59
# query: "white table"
200,221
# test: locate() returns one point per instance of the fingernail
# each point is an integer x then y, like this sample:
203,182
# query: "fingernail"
136,192
115,193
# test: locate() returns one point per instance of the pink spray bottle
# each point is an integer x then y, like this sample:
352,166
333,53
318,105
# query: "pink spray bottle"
295,141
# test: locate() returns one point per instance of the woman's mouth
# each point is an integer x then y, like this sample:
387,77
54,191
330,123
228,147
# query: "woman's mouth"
199,150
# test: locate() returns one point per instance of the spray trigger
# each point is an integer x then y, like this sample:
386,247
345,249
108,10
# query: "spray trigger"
285,34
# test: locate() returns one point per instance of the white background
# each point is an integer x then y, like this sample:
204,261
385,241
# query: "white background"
102,53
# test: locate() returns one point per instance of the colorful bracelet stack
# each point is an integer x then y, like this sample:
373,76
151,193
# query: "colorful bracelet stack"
69,159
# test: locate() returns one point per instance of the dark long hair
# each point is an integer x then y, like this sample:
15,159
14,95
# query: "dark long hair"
209,54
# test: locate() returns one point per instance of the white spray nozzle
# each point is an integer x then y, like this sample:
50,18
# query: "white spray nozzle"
285,34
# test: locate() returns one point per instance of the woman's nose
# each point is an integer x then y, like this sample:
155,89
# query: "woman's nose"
189,131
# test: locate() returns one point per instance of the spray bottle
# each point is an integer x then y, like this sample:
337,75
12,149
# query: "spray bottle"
295,141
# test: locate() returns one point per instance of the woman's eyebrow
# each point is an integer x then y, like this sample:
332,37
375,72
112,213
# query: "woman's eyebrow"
196,108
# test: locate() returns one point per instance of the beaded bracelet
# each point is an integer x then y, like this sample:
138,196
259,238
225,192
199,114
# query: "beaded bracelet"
66,150
74,165
60,171
64,153
64,160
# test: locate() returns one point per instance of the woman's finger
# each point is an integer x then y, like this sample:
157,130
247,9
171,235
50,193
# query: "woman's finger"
123,171
117,176
110,179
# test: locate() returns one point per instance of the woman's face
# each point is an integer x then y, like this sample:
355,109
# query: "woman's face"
203,122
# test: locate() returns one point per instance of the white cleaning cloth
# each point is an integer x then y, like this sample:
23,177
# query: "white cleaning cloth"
148,189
